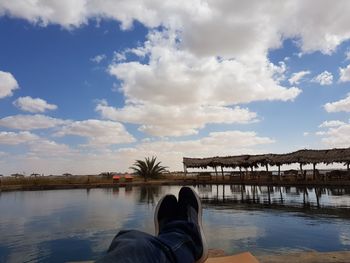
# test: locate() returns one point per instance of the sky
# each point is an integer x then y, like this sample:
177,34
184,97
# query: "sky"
89,86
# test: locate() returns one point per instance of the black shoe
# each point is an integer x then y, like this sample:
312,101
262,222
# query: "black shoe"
190,207
166,211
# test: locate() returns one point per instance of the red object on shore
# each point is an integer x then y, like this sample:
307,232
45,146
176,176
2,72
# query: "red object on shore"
128,178
116,178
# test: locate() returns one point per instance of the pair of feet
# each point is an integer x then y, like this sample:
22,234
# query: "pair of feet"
187,208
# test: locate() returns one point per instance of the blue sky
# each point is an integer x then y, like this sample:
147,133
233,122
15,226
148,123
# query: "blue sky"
87,87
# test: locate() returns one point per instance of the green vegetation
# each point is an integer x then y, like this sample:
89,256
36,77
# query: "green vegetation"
148,169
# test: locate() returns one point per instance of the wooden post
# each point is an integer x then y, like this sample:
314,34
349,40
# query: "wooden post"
222,173
216,173
314,172
223,192
301,169
347,166
279,172
267,171
240,173
185,169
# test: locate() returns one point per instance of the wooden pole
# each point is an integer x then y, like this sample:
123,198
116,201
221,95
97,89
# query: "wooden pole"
222,173
314,172
185,169
301,169
279,172
216,173
240,173
347,166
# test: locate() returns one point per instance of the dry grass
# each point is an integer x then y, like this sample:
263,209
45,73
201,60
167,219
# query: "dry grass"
57,180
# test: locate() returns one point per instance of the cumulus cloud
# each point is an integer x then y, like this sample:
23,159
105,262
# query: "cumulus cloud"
98,58
333,123
66,13
325,78
30,122
337,136
161,120
33,104
97,132
298,76
207,85
200,81
344,74
269,21
7,84
340,105
14,138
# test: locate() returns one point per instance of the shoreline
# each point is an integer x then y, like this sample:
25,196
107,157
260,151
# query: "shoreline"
292,257
307,257
187,181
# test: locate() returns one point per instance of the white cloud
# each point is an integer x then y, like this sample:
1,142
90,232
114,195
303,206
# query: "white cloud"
65,12
44,148
207,85
306,133
298,76
320,133
13,138
325,78
337,136
340,105
199,81
97,132
344,74
104,159
33,104
215,144
159,120
333,123
7,84
257,24
98,58
30,122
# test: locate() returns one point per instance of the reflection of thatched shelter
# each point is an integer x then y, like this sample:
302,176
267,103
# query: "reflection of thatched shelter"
245,161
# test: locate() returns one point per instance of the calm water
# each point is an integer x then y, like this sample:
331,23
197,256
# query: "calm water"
67,225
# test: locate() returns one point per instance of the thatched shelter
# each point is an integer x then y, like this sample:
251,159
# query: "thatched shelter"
302,157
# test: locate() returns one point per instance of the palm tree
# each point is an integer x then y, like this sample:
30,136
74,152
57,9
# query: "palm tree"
148,168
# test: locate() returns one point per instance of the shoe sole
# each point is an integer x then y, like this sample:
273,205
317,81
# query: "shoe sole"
156,223
204,241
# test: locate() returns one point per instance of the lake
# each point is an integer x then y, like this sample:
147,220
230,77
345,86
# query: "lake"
79,224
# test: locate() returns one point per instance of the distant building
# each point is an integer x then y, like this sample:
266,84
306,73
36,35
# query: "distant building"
17,175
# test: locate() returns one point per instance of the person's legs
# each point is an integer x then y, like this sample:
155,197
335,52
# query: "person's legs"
137,247
178,235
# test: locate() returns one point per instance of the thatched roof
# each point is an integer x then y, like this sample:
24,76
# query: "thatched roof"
301,156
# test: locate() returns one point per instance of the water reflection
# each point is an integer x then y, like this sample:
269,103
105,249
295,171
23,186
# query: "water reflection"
304,197
66,225
149,194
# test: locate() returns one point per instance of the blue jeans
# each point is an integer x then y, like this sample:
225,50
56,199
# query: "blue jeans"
178,241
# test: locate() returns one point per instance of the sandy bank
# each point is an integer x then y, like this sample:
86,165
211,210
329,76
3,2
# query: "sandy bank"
308,257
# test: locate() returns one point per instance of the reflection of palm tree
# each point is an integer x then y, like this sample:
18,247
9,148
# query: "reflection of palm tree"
148,194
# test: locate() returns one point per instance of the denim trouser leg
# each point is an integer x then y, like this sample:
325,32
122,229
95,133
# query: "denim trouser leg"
179,241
